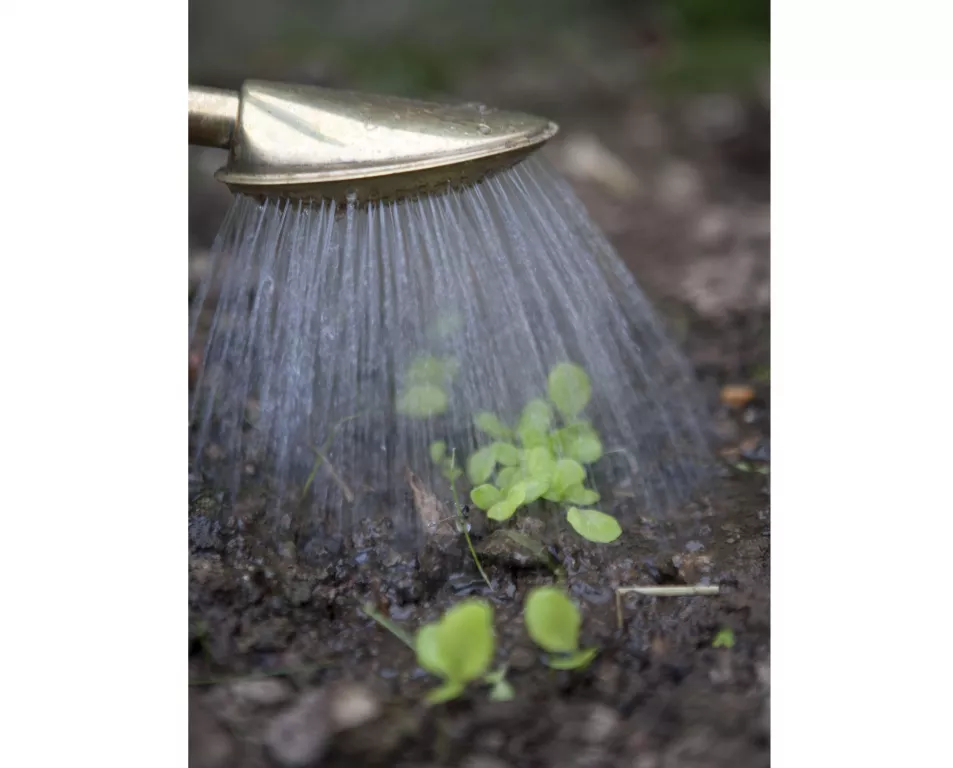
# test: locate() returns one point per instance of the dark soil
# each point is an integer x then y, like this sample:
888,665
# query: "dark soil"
279,645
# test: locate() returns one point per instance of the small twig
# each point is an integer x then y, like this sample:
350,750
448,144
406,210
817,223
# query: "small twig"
321,459
345,489
695,590
372,613
463,521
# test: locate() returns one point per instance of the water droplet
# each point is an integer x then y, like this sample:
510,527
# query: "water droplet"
351,198
484,128
370,126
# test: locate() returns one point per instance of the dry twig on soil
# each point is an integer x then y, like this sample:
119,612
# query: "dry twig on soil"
696,590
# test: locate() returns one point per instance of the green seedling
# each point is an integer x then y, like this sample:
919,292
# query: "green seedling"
464,526
446,326
372,613
538,459
458,648
724,639
500,687
594,525
553,622
748,466
438,454
426,383
440,457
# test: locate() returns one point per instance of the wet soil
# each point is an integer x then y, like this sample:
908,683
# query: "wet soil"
286,669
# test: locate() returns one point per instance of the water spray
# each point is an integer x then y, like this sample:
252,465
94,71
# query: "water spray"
408,298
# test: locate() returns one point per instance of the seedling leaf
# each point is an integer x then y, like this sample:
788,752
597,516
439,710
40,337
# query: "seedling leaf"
529,489
578,441
586,448
422,400
594,525
575,660
506,454
579,494
452,473
567,473
569,389
494,677
724,639
446,692
539,464
505,509
531,437
480,465
506,477
552,620
438,451
502,510
502,691
466,640
427,646
516,495
459,647
537,415
428,369
485,496
490,424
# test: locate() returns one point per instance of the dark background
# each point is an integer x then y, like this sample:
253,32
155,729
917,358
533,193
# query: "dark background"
664,109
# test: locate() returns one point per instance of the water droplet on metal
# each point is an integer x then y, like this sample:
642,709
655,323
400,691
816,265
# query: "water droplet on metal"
484,128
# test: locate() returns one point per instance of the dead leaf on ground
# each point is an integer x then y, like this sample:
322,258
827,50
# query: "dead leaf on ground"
433,514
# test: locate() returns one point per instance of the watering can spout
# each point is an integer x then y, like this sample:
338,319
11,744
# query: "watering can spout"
307,142
213,115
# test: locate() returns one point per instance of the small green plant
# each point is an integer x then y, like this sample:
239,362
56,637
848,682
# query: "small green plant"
464,527
426,385
553,622
500,687
756,467
544,456
445,326
458,648
725,638
440,456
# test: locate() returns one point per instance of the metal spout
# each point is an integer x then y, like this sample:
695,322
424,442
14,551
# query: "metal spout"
306,142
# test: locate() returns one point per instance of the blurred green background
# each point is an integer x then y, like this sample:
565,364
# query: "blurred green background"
439,47
663,106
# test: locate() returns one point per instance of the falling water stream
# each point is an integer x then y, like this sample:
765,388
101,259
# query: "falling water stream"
346,339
